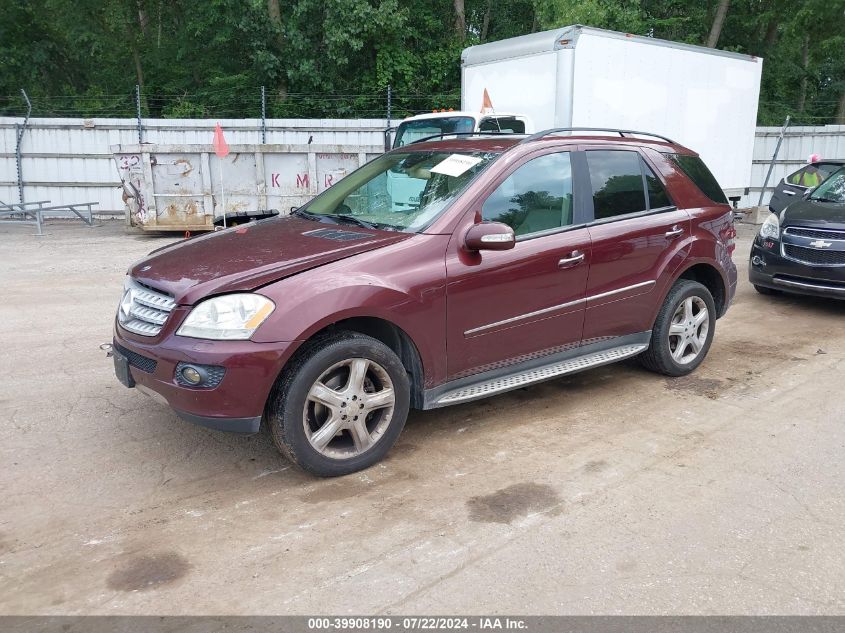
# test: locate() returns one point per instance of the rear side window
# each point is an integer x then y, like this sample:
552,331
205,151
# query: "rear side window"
697,171
657,196
510,125
617,183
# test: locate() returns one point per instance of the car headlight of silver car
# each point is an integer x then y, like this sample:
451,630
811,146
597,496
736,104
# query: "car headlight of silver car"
771,228
227,317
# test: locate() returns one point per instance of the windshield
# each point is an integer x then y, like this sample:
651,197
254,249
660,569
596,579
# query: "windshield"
402,191
411,131
832,189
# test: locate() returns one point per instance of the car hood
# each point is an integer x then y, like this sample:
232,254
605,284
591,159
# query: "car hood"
250,256
816,214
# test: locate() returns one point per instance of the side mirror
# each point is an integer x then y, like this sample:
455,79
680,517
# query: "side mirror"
388,139
489,236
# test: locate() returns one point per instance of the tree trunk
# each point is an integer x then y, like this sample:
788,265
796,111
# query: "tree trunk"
485,24
805,64
274,13
718,22
460,20
771,34
139,73
840,111
143,20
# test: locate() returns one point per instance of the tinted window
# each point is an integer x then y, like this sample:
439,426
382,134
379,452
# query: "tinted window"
502,124
657,197
811,175
536,197
617,182
697,171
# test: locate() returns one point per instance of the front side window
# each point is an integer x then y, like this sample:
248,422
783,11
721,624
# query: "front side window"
812,175
536,197
832,189
411,131
403,191
617,183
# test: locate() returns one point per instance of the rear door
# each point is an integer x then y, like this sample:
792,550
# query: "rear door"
637,240
797,183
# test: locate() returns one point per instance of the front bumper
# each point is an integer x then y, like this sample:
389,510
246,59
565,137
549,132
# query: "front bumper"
236,404
770,269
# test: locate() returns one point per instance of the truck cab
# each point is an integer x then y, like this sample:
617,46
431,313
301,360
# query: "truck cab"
421,126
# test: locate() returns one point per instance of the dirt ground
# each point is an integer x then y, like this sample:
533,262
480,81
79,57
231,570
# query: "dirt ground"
612,491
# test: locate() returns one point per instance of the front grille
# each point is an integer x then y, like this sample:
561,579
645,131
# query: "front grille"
814,256
144,310
820,234
137,360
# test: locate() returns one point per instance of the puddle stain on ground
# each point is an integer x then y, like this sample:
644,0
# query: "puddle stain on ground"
595,466
507,504
148,572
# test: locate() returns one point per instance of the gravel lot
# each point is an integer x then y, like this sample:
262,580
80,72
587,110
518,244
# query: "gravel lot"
612,491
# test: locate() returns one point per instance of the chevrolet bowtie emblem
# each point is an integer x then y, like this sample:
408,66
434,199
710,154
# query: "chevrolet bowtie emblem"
820,244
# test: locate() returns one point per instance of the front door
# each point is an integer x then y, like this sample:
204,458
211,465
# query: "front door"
638,241
504,307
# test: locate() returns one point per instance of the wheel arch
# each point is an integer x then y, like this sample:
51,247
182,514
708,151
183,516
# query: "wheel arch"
381,329
709,276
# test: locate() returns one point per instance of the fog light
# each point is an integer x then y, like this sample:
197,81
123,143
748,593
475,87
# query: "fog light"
758,261
191,375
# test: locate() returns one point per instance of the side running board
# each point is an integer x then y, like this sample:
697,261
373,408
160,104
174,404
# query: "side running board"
538,374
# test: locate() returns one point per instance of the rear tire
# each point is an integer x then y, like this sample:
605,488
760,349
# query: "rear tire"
340,405
683,330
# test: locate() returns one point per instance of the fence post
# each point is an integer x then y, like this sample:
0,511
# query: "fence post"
19,131
138,113
263,116
389,103
772,164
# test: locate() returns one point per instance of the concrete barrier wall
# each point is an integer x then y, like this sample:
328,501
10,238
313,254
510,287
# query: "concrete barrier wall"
68,160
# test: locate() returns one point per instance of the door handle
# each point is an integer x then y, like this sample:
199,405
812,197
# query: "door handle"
675,232
788,192
575,258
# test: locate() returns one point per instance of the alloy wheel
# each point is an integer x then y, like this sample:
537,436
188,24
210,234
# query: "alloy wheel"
688,330
349,408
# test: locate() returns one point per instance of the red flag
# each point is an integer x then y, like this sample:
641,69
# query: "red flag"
486,103
220,146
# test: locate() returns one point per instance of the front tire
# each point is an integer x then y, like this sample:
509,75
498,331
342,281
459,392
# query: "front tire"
683,330
340,406
763,290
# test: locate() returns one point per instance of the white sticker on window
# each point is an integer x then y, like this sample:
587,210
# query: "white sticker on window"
455,165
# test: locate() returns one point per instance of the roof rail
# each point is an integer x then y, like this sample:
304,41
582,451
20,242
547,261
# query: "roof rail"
442,134
622,133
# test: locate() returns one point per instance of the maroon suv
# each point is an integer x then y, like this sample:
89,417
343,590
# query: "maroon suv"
444,272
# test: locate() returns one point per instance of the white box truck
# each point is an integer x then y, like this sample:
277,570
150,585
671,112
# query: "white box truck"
578,76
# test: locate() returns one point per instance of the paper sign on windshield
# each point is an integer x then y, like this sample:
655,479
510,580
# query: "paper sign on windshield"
455,165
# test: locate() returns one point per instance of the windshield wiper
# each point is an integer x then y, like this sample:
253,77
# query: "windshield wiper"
362,223
307,215
823,199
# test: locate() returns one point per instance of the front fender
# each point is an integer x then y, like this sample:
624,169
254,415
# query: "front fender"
404,286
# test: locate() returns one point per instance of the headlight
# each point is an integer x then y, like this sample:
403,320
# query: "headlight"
771,228
227,317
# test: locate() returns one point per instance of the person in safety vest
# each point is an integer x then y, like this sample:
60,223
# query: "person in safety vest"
811,177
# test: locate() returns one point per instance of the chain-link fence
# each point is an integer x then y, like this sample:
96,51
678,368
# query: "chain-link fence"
230,103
